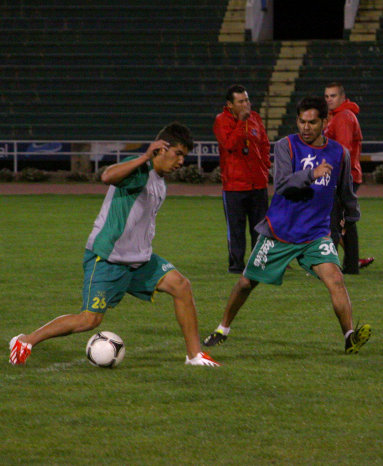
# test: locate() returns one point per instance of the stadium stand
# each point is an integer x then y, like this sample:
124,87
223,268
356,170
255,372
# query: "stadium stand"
379,31
358,65
282,85
107,70
367,21
356,62
233,24
112,70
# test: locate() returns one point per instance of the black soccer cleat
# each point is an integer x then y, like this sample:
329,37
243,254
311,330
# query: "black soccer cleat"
357,339
215,338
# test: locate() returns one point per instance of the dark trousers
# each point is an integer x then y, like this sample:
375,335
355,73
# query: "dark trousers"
240,206
350,238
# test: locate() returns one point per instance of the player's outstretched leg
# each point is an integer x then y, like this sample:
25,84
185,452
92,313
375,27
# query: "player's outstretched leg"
21,345
332,277
237,299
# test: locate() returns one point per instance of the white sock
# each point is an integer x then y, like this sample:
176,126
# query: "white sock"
348,333
224,330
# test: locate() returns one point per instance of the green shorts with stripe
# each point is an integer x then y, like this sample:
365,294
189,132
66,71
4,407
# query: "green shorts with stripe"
270,258
106,283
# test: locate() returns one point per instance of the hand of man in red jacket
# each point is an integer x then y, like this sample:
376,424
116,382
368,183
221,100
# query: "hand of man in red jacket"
243,115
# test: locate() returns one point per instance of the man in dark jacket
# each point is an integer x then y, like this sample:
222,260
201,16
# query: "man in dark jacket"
244,151
343,127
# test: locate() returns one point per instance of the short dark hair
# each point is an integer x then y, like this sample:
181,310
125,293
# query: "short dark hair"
313,101
176,133
235,88
338,85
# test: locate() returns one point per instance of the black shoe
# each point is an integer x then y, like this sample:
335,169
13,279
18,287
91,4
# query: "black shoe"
216,338
357,339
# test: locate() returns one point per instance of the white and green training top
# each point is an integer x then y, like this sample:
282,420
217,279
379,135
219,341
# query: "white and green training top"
124,229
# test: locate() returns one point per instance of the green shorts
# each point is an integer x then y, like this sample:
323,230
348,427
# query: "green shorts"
105,283
270,257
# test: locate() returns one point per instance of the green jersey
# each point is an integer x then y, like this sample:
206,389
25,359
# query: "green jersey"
125,226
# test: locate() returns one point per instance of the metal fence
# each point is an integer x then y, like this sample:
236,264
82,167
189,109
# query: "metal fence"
98,152
12,152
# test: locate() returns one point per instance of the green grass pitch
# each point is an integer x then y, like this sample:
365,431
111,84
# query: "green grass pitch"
285,395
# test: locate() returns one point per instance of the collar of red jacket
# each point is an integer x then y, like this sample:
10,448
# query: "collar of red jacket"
228,112
346,105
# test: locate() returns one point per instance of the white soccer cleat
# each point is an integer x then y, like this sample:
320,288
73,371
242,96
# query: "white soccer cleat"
19,350
202,359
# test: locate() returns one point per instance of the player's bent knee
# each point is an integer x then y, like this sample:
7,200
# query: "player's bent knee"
245,284
182,287
175,283
184,284
91,320
334,279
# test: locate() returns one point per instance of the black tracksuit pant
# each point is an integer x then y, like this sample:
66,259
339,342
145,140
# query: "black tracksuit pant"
240,206
350,238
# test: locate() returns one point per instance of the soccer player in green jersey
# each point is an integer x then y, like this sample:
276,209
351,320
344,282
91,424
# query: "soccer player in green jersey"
118,257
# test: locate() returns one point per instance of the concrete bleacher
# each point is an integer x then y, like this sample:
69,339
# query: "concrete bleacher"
358,65
379,31
104,70
108,70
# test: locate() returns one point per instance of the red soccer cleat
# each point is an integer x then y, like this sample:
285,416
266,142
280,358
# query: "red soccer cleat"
202,359
365,262
19,351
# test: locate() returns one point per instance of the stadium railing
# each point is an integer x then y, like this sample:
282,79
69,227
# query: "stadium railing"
105,152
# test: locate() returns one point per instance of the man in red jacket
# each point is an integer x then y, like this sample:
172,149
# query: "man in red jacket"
344,128
244,151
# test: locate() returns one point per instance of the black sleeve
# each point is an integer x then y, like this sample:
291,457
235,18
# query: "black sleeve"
345,191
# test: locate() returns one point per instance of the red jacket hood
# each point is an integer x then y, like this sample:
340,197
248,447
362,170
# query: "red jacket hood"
346,105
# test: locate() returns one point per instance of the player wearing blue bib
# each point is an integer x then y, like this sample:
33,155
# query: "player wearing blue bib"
119,258
306,218
309,170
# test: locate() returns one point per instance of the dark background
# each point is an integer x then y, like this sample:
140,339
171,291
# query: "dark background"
299,20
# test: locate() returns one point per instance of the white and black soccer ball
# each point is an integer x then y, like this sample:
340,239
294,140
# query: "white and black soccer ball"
105,349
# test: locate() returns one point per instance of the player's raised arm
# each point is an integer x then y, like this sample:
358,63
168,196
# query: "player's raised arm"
285,179
114,174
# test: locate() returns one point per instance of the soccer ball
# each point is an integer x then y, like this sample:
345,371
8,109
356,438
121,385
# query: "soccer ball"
105,349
